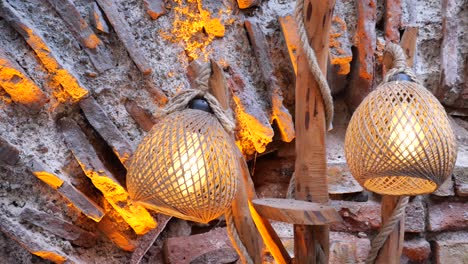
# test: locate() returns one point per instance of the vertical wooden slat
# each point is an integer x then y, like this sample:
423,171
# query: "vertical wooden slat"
311,177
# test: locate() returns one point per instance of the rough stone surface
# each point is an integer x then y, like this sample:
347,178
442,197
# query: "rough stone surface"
446,189
415,218
347,248
416,250
187,249
451,248
461,180
8,153
448,216
357,216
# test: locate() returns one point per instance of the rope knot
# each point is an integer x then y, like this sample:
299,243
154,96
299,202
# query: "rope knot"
398,64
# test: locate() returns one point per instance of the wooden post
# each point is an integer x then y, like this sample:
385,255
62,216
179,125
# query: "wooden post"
311,177
393,247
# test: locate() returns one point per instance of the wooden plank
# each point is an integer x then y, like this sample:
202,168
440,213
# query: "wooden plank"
67,190
9,154
60,75
135,215
18,233
392,20
107,129
278,112
19,86
142,117
408,43
296,212
146,241
362,68
125,34
393,247
289,29
90,42
59,227
311,167
243,221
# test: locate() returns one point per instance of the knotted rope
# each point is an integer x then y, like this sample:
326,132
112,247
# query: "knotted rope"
398,66
387,229
313,65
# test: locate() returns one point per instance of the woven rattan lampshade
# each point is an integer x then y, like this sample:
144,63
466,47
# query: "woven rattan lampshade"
399,141
185,167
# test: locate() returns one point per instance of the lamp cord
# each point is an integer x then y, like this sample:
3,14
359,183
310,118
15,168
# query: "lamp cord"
387,229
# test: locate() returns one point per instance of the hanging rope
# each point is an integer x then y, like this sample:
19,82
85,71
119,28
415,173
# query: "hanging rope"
387,229
313,65
235,239
398,66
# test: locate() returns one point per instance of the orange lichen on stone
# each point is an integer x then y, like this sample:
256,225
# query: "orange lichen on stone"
253,136
21,89
339,55
243,4
190,20
135,215
60,75
54,257
92,41
49,178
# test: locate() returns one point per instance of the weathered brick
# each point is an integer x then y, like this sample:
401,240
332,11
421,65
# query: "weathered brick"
416,250
446,189
415,217
67,190
59,227
135,215
451,248
347,248
92,45
186,249
362,68
357,216
60,75
448,216
19,86
155,8
106,128
125,35
9,154
97,19
142,117
18,233
461,180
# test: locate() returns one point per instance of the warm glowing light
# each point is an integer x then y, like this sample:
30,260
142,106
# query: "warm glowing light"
195,27
406,133
189,170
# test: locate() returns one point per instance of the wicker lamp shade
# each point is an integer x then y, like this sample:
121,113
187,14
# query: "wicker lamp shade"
185,167
399,141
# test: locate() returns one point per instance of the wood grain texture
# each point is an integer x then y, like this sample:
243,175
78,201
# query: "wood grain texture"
296,212
393,247
311,175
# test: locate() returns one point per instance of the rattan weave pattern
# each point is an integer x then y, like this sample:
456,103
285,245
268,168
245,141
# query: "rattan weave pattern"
399,141
184,167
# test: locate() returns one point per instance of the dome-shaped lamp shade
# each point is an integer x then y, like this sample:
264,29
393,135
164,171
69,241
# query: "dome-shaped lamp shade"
185,167
399,141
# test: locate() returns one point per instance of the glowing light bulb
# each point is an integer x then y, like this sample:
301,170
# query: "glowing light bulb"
189,173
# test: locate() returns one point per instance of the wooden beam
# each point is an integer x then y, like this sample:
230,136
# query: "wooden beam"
311,167
296,212
393,247
146,241
92,45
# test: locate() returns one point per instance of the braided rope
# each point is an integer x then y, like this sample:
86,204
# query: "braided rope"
398,63
313,65
235,239
387,229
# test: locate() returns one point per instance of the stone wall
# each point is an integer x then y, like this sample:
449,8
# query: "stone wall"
83,81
